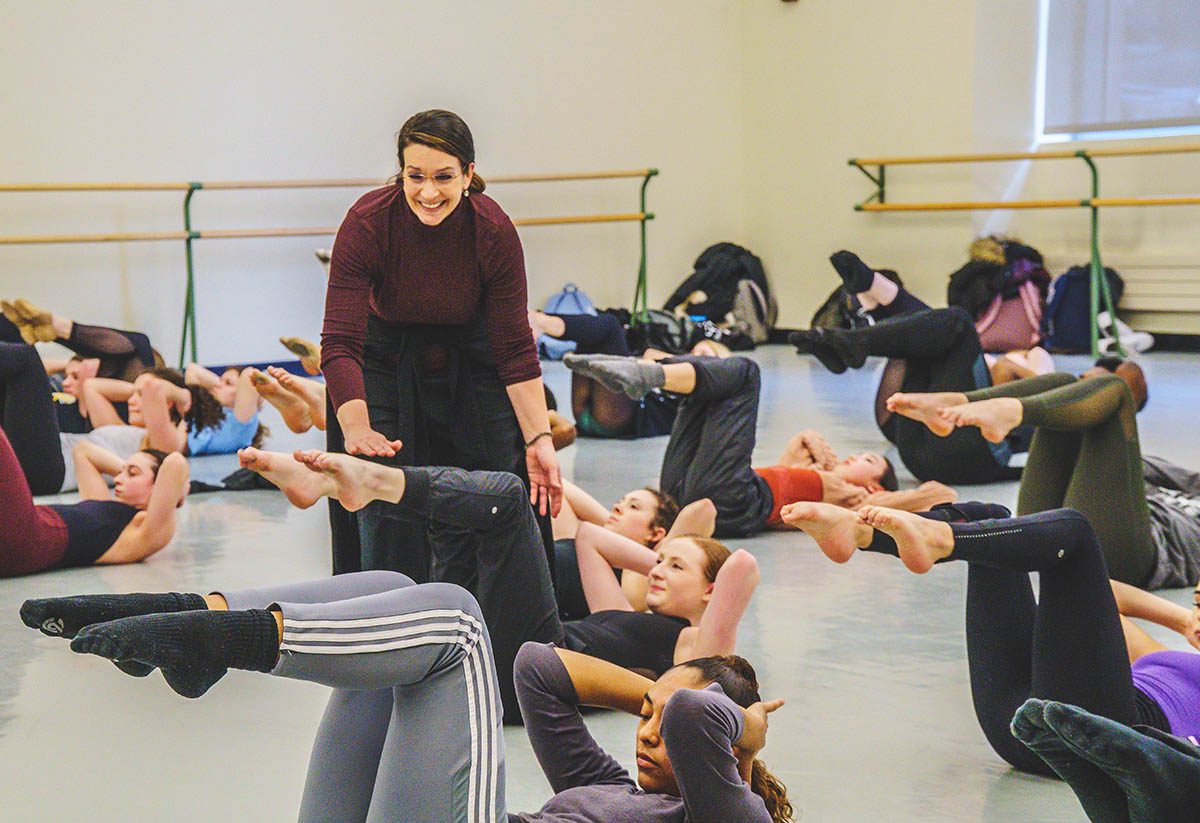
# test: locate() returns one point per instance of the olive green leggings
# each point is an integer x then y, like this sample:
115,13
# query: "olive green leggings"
1085,456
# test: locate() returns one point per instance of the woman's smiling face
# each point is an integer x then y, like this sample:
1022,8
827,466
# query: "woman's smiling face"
434,182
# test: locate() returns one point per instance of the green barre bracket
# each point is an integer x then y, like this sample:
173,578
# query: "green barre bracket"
879,179
1097,282
640,293
189,306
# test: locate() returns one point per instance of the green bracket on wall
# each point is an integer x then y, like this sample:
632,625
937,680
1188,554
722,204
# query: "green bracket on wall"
189,305
640,296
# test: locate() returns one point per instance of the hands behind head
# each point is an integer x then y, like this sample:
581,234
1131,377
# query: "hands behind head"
840,492
754,727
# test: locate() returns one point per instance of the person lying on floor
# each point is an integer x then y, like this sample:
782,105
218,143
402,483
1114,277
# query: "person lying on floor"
182,417
483,533
712,441
1066,646
930,350
121,354
412,731
600,411
140,521
1086,455
50,459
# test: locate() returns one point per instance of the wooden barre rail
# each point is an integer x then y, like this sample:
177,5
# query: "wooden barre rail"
1022,155
348,182
983,205
310,231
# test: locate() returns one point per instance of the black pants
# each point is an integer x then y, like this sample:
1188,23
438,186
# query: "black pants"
711,444
432,429
512,585
598,411
940,352
28,418
1067,645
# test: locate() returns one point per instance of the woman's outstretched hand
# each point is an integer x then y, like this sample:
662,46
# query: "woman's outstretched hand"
370,443
545,479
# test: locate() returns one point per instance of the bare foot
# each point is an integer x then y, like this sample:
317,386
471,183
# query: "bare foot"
293,408
311,392
995,418
301,486
926,408
921,541
308,352
356,482
839,532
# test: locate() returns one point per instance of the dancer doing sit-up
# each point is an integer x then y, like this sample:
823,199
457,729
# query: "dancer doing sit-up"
1086,455
148,487
122,354
931,350
709,453
1067,645
483,534
412,730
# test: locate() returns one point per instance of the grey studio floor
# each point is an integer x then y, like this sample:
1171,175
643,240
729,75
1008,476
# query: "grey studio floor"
878,724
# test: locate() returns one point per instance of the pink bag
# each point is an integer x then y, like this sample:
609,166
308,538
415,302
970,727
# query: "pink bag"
1012,322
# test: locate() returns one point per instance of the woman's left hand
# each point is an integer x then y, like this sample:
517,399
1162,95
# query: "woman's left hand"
545,479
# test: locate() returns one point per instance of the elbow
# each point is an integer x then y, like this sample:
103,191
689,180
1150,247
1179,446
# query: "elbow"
742,565
706,509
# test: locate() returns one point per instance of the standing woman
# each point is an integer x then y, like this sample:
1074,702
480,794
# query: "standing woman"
426,347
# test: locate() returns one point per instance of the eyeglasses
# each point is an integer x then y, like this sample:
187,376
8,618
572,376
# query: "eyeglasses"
445,178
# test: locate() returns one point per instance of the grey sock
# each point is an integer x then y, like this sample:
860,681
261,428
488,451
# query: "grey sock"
634,377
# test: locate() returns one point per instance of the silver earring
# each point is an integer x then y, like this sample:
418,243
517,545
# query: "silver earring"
466,192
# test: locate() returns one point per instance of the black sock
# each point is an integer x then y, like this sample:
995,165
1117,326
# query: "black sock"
856,275
65,616
194,649
1102,799
836,349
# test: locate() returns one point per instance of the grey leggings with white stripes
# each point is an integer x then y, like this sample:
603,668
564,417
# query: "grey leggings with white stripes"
413,729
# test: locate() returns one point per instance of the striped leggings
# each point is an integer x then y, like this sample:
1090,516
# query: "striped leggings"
413,728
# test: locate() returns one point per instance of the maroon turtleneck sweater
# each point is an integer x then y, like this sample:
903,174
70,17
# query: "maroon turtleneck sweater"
386,262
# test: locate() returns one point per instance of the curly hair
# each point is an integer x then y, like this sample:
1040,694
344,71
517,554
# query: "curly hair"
739,681
665,511
206,411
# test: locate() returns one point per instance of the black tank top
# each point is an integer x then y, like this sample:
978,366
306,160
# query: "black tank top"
633,640
92,527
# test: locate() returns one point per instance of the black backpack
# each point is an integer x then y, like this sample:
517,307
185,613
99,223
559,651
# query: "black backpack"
717,272
1067,322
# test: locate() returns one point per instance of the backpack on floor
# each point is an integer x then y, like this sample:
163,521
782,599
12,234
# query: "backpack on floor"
716,274
1067,324
570,299
754,314
1003,286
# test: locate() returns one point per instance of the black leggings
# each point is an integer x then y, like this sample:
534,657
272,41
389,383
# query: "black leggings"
1067,645
598,411
711,444
1086,455
934,350
28,418
122,354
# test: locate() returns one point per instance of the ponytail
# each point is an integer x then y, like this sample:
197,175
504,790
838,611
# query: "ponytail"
477,184
738,680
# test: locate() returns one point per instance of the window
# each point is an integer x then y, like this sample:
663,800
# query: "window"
1111,66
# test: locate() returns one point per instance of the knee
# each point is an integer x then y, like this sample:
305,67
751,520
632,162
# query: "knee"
384,580
509,491
748,373
454,598
959,317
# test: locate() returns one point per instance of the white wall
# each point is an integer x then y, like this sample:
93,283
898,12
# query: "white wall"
749,109
261,90
826,81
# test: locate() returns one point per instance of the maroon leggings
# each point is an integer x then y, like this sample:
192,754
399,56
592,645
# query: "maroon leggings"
32,538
